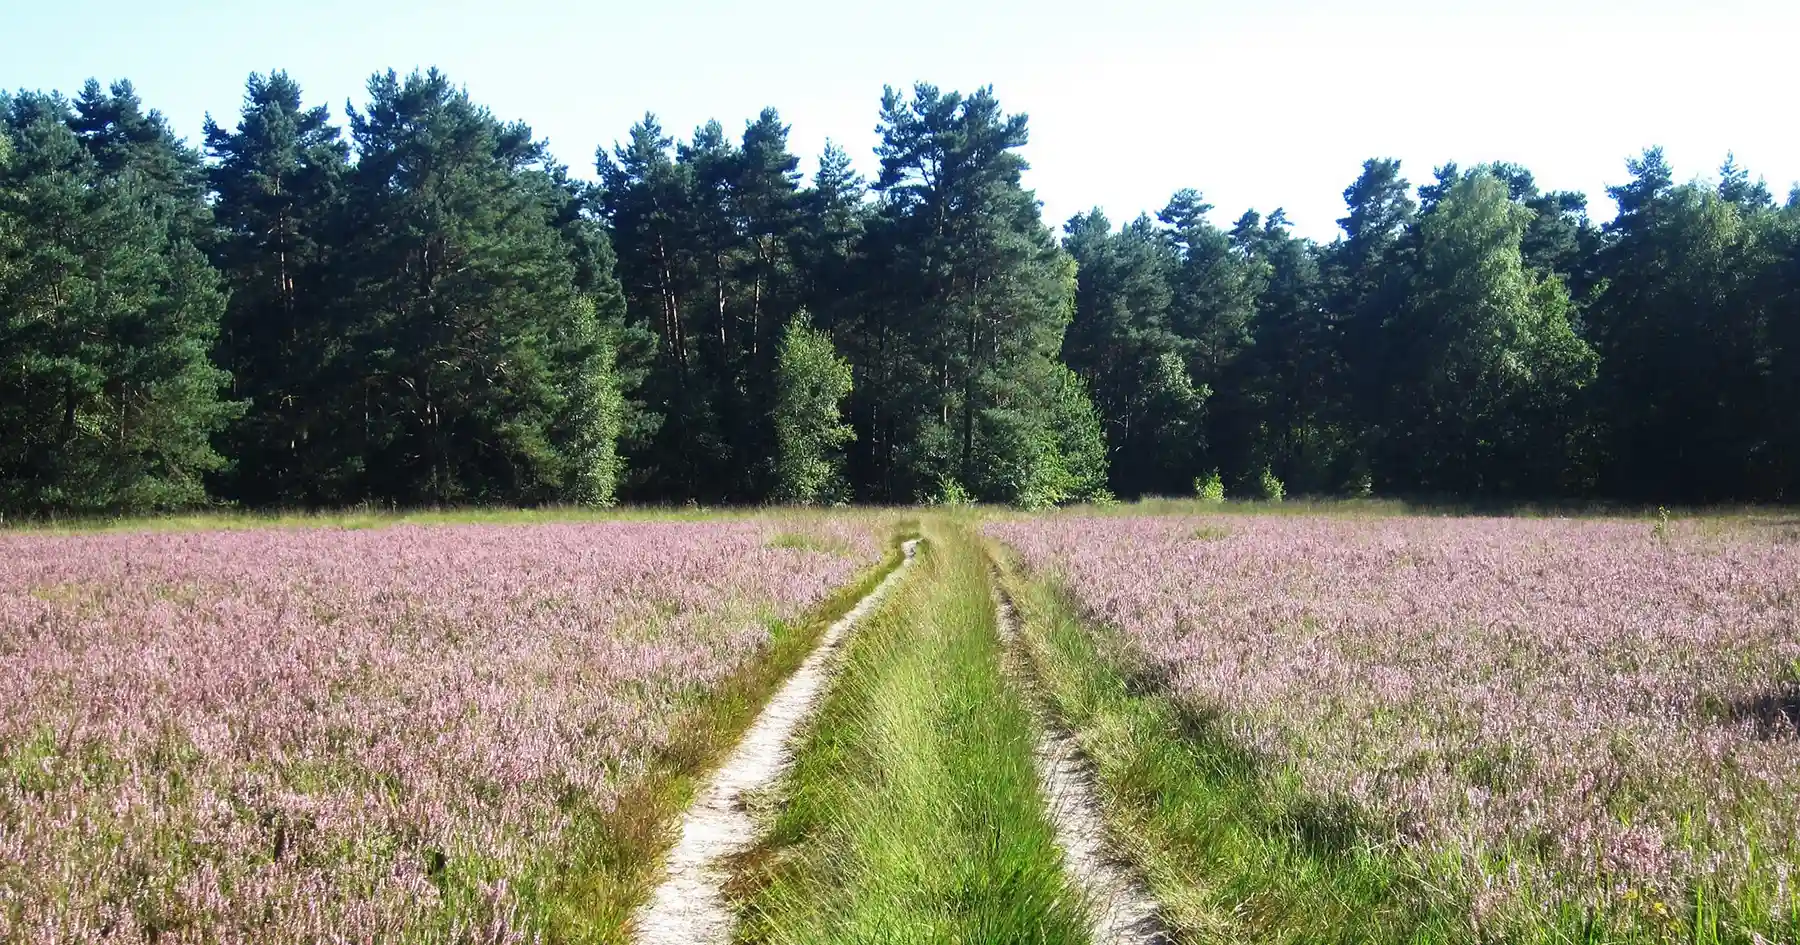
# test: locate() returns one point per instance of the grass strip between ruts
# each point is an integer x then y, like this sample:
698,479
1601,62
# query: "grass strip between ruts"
912,814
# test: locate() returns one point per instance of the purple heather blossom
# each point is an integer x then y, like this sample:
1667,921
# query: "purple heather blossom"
1570,712
296,735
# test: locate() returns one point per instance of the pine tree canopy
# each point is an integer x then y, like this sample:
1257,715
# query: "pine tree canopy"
413,303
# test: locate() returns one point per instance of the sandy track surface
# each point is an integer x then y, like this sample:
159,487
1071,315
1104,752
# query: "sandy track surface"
1123,909
689,907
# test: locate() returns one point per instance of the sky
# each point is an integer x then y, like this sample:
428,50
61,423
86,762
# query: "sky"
1256,103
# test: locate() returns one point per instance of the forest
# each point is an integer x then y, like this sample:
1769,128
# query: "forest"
416,304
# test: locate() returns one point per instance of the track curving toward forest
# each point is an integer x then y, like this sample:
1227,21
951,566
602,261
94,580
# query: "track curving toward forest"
1123,910
689,906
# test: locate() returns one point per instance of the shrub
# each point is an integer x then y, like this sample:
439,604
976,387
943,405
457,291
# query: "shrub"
951,493
810,383
1210,487
1270,488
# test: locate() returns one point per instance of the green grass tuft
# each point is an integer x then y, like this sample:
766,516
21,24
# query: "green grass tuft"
817,544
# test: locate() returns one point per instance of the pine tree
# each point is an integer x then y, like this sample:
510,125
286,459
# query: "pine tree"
1780,287
766,201
1293,360
1679,329
1121,345
831,215
8,226
972,299
709,243
277,181
1214,292
1366,276
678,450
717,250
107,399
126,140
1213,308
1736,187
477,368
762,292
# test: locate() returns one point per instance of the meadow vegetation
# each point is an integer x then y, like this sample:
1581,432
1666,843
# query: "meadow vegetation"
1356,721
1505,729
406,733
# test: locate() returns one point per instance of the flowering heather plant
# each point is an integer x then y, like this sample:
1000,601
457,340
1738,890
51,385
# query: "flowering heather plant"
329,735
1561,718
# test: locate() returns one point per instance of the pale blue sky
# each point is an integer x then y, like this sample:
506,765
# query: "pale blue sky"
1256,104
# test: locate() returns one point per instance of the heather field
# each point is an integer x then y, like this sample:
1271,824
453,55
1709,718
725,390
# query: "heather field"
401,733
1559,729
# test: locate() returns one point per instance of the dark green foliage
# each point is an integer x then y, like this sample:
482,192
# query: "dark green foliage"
708,241
1123,345
1683,329
469,365
832,215
1781,288
1295,362
1367,272
107,311
965,306
1491,364
1215,286
430,310
278,182
1484,340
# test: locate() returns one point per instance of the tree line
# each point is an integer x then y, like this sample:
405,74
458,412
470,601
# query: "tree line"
422,306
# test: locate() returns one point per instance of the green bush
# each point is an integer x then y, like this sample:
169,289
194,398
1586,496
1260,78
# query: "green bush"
810,433
1269,487
1210,487
952,494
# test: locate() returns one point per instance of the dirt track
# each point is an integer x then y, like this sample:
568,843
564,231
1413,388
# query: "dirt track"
689,907
1123,909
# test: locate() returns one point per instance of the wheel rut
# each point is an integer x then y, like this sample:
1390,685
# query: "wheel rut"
689,907
1123,910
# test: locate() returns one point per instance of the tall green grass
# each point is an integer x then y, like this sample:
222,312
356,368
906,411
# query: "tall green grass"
913,813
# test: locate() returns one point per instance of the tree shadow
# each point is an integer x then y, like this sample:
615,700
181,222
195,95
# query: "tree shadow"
1772,715
1322,828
